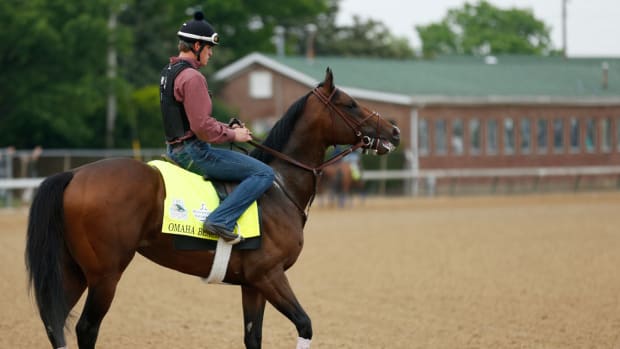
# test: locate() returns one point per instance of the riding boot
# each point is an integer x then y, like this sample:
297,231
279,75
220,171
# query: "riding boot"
230,237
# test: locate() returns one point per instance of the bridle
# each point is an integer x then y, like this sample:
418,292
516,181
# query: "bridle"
365,142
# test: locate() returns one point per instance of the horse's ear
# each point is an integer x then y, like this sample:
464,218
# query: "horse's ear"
329,79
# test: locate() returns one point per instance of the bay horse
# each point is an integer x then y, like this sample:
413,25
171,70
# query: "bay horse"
86,225
339,183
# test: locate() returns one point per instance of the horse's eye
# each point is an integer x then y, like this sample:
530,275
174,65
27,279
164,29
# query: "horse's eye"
352,105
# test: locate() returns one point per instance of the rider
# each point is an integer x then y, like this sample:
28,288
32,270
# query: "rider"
191,129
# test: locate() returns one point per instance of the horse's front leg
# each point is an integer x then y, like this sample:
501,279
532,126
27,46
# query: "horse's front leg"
253,310
276,289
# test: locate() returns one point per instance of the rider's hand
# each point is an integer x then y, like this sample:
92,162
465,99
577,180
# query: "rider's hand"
242,134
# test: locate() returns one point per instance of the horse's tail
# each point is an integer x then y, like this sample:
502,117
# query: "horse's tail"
44,246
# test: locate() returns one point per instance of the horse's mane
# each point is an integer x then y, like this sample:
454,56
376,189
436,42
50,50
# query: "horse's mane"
280,133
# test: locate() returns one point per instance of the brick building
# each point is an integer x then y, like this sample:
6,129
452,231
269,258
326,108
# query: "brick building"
457,112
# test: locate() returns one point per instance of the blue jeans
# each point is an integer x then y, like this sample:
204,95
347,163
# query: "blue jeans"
255,177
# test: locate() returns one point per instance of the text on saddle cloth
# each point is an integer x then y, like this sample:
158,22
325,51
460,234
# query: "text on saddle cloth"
189,201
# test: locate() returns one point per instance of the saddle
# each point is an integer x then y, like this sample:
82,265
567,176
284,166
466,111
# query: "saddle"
183,206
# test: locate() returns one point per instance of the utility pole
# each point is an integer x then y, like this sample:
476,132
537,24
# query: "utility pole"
111,75
564,46
279,40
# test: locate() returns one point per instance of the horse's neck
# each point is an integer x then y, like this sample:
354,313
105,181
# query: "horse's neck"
300,183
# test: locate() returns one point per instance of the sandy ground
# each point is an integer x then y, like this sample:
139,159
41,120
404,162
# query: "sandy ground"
502,272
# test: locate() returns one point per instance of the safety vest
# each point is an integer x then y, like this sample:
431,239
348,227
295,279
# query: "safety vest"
175,119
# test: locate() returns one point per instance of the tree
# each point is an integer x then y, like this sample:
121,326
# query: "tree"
53,79
52,84
244,26
367,38
482,29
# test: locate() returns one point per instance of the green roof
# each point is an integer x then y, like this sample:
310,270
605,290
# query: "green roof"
510,76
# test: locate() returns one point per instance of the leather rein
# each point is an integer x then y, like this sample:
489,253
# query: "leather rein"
364,142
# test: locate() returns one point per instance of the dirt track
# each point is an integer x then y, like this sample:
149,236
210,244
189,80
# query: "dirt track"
505,272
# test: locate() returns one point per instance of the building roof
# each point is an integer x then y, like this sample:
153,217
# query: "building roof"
455,80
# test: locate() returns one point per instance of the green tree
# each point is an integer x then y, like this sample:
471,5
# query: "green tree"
482,28
53,72
365,37
244,26
54,78
368,38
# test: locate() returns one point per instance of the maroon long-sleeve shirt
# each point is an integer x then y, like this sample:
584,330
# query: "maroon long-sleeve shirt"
191,89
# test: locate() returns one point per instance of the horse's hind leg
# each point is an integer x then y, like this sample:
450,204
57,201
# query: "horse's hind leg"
74,282
253,311
98,301
277,290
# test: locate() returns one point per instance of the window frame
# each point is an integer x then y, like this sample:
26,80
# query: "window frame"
491,148
545,133
260,84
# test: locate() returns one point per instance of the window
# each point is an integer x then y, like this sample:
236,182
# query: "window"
541,135
474,136
457,137
558,135
526,136
574,135
509,136
440,137
491,147
260,85
590,135
423,136
606,135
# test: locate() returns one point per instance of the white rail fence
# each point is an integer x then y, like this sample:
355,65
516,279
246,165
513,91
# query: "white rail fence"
491,172
428,175
20,183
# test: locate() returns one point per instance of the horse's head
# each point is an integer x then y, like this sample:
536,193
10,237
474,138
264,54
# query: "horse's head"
352,123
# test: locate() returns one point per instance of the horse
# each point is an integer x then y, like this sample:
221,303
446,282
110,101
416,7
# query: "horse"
85,225
340,181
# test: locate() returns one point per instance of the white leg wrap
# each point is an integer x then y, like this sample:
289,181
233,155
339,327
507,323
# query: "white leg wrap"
303,343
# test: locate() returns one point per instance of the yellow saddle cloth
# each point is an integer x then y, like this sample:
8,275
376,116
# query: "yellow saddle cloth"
189,201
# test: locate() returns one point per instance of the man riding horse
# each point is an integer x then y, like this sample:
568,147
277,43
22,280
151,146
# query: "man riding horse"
190,129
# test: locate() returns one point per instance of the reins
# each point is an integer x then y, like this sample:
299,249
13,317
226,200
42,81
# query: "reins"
316,171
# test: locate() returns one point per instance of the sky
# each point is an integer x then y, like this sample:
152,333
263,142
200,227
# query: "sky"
593,26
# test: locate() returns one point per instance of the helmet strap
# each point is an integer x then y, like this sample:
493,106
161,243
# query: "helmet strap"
197,53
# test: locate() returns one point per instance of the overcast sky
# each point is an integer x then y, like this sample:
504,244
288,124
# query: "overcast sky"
593,26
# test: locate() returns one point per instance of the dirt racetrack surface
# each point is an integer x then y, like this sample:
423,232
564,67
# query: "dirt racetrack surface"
478,272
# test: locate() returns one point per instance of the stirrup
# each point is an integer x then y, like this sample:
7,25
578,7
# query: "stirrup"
237,240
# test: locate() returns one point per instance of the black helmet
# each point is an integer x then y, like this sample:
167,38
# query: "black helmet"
198,30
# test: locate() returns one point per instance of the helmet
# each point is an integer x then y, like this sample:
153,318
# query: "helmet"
198,29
